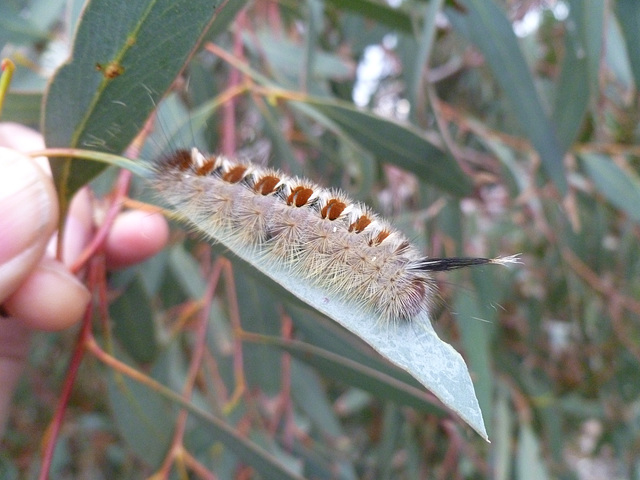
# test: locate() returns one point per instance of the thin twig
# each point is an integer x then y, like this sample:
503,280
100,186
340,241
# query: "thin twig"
177,449
96,243
72,372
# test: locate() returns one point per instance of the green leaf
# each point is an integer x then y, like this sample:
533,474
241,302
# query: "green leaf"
281,147
123,60
147,420
629,17
16,29
589,16
259,314
476,333
144,419
308,391
390,434
572,96
22,107
616,56
392,142
328,336
381,12
486,25
620,187
287,58
355,374
420,52
187,272
529,463
266,463
133,322
502,441
315,11
400,19
45,13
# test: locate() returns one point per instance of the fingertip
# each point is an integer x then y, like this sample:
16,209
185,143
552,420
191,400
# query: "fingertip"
135,236
50,298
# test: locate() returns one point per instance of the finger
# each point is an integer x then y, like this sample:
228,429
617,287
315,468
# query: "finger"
50,298
28,217
135,236
78,228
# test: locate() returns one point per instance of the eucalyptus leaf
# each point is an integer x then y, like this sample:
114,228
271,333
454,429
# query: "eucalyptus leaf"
400,144
286,57
14,28
358,375
133,322
621,188
379,11
122,62
23,107
629,18
143,418
476,335
572,96
529,464
485,24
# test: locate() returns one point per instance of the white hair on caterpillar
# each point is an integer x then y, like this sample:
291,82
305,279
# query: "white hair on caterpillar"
320,235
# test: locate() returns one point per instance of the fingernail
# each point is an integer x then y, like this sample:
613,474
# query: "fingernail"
26,206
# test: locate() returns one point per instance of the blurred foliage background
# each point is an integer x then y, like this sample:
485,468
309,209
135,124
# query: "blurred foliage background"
480,127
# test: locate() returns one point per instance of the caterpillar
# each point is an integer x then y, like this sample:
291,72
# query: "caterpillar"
319,234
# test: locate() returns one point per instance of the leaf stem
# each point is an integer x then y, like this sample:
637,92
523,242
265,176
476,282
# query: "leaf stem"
140,168
7,67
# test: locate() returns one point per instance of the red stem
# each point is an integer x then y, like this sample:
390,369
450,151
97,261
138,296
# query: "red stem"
95,272
196,360
120,192
229,108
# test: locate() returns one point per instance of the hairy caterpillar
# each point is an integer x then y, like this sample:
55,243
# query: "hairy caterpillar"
321,235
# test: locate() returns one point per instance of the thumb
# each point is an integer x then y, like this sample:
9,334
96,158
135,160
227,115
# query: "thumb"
28,217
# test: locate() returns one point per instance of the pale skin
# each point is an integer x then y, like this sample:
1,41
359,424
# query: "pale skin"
38,292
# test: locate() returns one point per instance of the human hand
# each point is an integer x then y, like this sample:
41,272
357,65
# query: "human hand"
38,292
